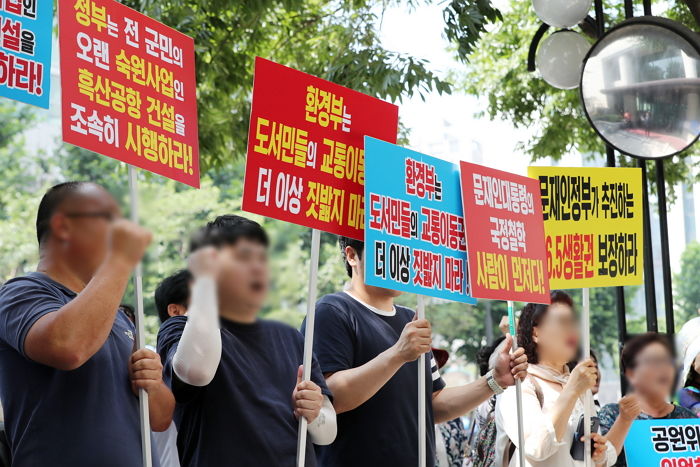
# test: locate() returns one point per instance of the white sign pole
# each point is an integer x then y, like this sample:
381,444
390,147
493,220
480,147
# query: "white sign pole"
140,335
420,311
518,389
588,397
309,336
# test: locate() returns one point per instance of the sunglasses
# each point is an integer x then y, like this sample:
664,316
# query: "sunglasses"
106,215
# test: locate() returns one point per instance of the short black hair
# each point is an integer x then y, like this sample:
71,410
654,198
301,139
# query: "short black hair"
227,230
531,316
483,355
174,289
128,311
357,245
573,363
634,346
51,200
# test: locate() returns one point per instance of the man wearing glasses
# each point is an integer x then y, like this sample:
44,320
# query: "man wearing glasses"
69,374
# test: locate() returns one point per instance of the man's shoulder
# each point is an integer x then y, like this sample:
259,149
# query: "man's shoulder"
171,330
32,287
339,300
28,282
174,322
338,306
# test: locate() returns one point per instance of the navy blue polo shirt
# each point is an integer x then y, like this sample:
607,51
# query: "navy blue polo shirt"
382,432
245,415
85,417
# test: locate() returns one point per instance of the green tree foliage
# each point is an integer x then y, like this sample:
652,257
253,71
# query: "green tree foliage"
499,75
687,288
336,40
17,235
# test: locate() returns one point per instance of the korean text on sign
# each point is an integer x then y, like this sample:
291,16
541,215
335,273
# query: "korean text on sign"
414,226
505,234
593,225
129,88
306,155
25,50
664,443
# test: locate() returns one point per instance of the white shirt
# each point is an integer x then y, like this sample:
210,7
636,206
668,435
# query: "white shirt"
541,446
165,444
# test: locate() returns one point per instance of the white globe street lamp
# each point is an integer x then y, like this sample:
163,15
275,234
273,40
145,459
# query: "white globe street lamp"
560,59
562,13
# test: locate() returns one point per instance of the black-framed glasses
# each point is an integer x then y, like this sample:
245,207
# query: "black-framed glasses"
106,215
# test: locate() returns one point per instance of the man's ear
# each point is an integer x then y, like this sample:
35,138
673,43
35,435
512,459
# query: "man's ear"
351,257
59,226
176,310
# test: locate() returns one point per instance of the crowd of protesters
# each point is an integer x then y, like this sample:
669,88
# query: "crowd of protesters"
225,387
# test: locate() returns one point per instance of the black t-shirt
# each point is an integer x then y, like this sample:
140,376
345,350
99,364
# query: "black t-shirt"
382,432
85,417
245,416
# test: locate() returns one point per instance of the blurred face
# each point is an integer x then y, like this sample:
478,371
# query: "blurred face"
358,270
244,276
557,334
81,225
654,372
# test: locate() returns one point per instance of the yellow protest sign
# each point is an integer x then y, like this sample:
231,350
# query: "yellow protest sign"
592,224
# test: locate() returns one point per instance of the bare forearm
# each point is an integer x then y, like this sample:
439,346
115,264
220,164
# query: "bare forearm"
454,402
618,433
352,388
561,411
68,337
161,404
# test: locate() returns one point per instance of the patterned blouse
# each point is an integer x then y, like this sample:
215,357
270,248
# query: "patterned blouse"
456,443
610,412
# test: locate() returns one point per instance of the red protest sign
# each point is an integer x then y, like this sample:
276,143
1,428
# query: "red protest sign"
128,88
306,161
505,235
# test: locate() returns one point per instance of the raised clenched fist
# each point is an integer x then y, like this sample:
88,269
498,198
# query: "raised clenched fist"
630,407
128,241
205,262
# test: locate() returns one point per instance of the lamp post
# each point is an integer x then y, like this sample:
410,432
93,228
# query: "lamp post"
639,99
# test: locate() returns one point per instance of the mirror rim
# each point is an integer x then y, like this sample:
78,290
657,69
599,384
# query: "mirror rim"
688,35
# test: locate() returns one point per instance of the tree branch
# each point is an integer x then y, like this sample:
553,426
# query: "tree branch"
694,7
